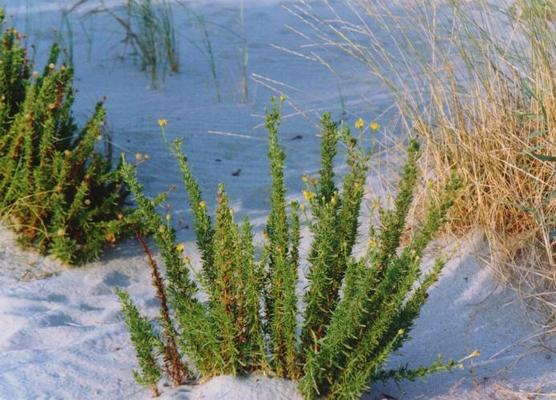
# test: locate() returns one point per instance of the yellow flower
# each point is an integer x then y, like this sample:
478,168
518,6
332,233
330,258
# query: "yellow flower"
315,181
61,232
375,126
110,237
282,98
180,247
162,122
202,204
305,178
375,204
308,195
360,124
162,229
67,153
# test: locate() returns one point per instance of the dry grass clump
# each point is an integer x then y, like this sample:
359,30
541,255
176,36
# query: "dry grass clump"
497,140
477,83
494,120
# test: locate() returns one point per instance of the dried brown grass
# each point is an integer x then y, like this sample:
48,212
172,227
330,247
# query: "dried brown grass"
477,84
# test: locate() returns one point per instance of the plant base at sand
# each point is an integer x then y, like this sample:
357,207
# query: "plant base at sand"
356,312
56,191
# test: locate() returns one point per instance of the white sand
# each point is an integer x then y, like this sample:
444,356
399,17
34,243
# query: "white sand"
61,334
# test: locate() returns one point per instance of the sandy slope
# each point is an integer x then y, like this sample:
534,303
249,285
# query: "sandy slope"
61,335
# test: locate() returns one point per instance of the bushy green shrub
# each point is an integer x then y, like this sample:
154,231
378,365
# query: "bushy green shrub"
357,311
59,193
